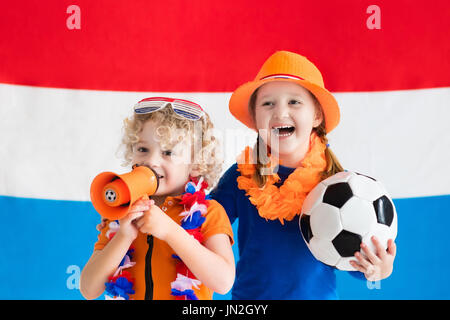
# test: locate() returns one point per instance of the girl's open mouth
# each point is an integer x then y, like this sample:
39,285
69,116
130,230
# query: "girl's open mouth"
283,131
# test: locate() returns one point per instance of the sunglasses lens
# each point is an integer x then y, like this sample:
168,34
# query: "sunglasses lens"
143,110
191,112
186,115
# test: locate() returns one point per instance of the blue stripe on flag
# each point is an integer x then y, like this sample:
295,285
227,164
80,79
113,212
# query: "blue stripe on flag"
45,244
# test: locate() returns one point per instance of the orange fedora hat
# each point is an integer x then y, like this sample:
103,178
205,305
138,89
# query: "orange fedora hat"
286,66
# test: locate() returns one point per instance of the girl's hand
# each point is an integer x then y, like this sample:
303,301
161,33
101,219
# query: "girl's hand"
155,222
376,266
127,224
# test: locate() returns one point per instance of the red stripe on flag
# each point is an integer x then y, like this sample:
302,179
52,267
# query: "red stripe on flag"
211,46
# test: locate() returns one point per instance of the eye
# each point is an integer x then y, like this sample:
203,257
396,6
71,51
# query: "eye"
267,103
293,101
142,149
167,153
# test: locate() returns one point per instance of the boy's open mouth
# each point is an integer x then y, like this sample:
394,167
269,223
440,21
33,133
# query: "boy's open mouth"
283,131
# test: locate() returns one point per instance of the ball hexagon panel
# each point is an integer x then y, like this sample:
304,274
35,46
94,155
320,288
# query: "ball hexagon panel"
384,191
347,243
365,188
344,264
337,194
358,216
323,250
305,227
325,221
313,198
383,234
384,210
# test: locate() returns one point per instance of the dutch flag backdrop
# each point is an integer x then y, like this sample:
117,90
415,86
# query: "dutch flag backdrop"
70,72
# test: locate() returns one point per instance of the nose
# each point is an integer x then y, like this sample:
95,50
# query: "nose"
281,110
152,160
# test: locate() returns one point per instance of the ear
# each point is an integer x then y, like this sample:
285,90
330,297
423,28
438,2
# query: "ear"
318,118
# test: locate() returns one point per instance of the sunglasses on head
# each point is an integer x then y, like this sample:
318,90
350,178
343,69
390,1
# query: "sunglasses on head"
183,108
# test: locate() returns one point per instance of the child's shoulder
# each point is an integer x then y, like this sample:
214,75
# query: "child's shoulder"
231,174
227,187
214,207
217,220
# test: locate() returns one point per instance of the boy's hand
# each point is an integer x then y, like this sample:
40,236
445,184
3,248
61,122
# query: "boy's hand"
128,223
155,222
101,225
376,266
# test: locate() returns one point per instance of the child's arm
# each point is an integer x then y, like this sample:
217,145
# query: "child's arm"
211,263
103,263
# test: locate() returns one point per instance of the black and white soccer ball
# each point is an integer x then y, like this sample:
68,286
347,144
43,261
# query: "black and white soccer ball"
341,212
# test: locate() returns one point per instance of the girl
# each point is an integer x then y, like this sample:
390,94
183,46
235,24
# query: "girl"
289,107
178,244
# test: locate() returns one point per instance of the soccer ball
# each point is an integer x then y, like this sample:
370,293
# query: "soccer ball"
341,212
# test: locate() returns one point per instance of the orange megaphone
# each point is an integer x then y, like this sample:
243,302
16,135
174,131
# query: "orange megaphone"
112,194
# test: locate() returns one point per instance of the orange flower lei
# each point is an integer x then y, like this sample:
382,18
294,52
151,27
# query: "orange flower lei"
286,201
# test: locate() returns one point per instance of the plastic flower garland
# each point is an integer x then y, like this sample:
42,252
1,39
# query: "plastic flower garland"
195,208
284,202
120,285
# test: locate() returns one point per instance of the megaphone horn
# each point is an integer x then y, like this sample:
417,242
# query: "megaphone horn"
112,194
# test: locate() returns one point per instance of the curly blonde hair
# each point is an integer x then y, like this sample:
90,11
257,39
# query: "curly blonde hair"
206,154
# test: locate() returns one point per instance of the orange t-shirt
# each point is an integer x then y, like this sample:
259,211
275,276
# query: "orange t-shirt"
162,263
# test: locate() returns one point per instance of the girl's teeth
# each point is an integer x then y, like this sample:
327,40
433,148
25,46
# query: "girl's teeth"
284,135
287,131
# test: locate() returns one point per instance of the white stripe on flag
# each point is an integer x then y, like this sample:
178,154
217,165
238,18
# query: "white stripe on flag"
54,141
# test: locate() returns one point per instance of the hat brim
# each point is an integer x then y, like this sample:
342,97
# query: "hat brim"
239,101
